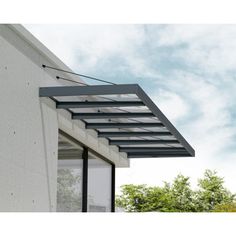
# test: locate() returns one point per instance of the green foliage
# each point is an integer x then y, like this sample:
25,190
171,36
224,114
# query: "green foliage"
133,197
178,196
225,207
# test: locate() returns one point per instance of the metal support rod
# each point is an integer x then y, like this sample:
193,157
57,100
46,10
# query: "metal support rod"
110,115
73,73
151,149
131,134
121,125
150,155
140,141
89,104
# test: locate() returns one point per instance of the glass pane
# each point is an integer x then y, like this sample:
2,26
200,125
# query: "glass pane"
99,185
69,177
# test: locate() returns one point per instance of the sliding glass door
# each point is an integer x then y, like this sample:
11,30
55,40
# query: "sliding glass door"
85,182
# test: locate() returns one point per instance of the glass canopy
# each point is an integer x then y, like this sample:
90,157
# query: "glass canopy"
123,114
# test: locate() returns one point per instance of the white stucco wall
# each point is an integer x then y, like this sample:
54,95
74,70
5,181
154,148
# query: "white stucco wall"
29,125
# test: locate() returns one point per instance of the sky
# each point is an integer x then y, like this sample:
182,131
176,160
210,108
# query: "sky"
189,71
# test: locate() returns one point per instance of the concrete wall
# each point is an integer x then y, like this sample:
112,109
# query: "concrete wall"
29,125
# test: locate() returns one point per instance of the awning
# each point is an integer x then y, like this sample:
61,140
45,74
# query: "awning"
125,115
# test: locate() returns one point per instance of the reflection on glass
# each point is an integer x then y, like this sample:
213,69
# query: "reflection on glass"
99,185
69,176
69,195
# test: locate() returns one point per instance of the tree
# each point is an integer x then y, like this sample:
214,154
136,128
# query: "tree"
183,198
212,192
178,196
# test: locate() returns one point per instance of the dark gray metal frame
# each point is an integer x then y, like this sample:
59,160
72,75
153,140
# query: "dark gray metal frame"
113,187
85,180
92,90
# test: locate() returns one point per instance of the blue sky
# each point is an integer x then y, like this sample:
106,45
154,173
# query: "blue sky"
189,72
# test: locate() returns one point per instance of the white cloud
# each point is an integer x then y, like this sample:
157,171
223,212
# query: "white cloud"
209,128
208,124
208,47
171,104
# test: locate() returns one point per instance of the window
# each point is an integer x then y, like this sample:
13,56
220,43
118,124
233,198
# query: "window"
85,182
69,176
99,184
